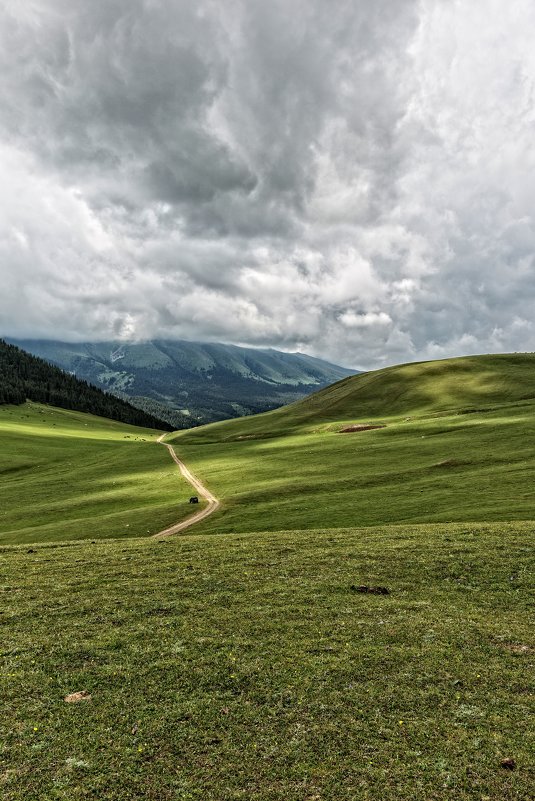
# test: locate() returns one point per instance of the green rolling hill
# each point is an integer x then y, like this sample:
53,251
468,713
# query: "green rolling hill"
456,444
460,385
453,442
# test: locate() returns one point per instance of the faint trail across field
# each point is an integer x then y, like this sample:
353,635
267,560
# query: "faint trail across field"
213,503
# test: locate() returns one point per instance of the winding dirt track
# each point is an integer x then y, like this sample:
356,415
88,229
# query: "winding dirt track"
213,503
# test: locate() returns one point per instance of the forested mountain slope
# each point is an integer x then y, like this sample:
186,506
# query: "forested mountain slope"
26,377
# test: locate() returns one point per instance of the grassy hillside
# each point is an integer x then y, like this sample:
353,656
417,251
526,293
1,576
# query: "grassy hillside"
457,445
246,667
67,475
422,387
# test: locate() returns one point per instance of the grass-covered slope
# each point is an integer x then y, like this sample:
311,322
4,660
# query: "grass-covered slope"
66,475
226,668
457,445
465,384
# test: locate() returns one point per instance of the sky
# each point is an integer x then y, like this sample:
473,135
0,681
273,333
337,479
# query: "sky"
353,179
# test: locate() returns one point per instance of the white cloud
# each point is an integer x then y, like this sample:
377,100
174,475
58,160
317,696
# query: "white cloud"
358,184
367,320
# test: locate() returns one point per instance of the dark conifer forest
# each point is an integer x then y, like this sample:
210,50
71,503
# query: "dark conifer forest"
25,377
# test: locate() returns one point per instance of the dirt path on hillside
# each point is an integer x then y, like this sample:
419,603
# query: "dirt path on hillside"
213,503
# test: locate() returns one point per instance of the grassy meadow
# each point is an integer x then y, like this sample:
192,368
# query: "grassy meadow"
247,667
67,475
457,446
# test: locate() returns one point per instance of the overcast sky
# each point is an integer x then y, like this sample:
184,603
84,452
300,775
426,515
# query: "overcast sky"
354,179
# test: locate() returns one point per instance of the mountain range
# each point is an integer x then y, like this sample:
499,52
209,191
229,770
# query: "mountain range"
191,383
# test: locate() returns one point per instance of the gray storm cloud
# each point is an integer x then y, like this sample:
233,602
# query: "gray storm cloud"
354,179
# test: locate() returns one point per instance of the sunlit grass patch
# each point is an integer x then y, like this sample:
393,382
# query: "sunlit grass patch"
66,475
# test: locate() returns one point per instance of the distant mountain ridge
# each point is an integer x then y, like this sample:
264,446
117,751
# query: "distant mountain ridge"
190,383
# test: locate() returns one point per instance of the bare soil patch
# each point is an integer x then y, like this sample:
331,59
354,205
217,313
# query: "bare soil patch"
518,648
74,698
358,427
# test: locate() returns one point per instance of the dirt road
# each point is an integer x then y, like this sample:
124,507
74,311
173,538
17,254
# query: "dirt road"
213,503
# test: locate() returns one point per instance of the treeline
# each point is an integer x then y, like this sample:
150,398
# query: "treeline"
176,419
25,377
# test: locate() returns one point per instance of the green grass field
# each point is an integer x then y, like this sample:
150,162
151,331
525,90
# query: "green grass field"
457,446
245,667
66,476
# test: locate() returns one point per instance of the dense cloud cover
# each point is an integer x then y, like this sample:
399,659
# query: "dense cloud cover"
350,179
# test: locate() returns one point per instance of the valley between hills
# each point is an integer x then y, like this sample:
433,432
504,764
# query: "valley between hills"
252,655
